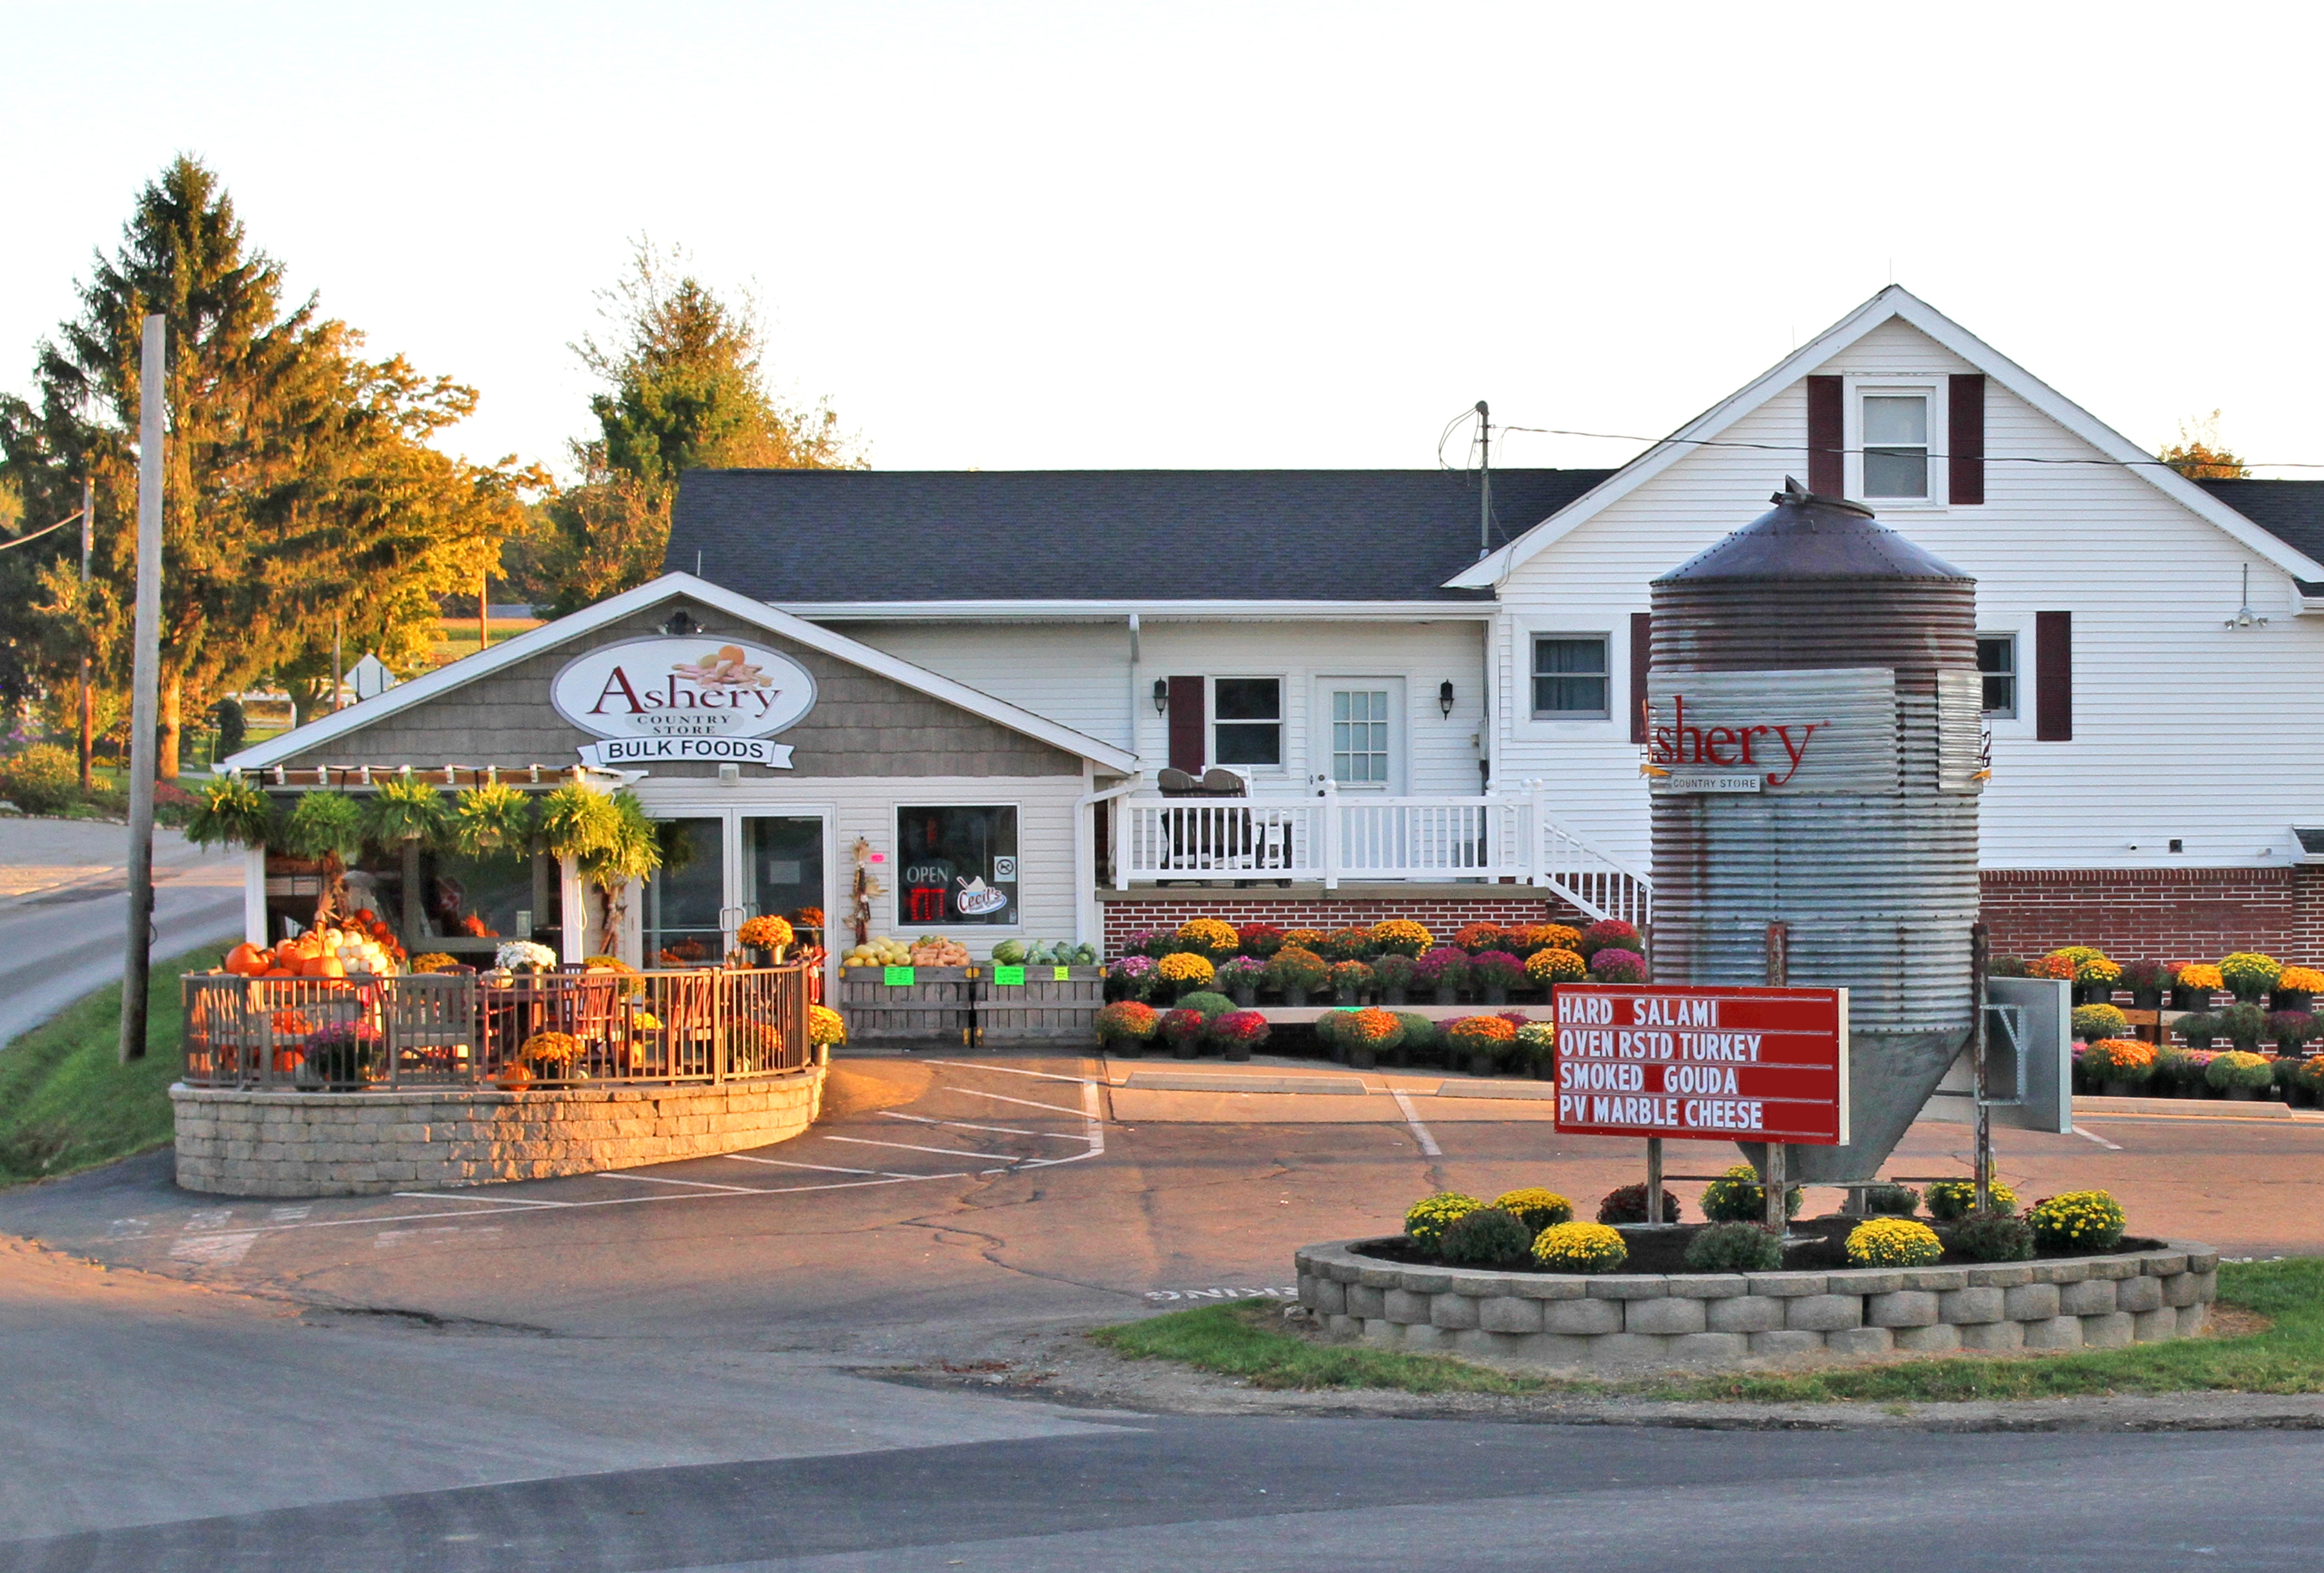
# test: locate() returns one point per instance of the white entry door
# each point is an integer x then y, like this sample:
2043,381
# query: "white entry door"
1357,738
722,867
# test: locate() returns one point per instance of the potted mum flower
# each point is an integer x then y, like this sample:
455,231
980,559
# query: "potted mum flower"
1494,973
1392,974
2296,989
1476,937
1297,972
2146,980
1350,980
1346,945
1537,1041
1240,979
1548,968
1238,1032
1124,1027
2249,975
1482,1041
2119,1067
1609,934
1368,1034
1444,971
1130,978
1182,972
1611,966
2292,1032
1259,939
1401,937
1209,937
1183,1029
2095,978
2192,984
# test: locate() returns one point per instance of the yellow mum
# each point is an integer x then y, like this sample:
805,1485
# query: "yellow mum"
1580,1248
1179,967
1536,1207
825,1025
1894,1243
1212,934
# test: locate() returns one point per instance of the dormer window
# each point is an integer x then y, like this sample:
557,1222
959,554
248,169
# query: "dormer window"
1895,445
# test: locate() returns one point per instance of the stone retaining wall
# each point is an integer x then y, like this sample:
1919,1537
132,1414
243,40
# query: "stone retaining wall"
1562,1319
321,1144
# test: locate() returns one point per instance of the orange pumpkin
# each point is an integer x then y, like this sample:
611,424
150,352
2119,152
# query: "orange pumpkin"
514,1074
278,972
246,960
323,967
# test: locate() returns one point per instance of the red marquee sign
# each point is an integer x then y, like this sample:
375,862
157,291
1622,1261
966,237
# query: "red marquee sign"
1705,1064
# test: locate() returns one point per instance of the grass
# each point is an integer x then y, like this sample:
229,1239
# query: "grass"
2282,1301
66,1101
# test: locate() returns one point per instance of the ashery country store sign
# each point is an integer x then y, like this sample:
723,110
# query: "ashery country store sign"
1710,1064
659,701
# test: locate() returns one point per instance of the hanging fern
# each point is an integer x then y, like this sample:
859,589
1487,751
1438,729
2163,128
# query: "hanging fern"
491,818
231,812
634,850
578,821
406,808
325,825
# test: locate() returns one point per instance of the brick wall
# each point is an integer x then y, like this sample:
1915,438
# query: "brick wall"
1441,914
2157,914
320,1143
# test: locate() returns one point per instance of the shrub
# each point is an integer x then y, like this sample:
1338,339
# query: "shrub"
1393,971
1326,1027
1955,1198
1401,937
1426,1221
2244,1025
2077,1220
1556,965
1182,1028
1737,1196
1127,1019
1208,1005
1245,1029
1900,1201
1419,1032
2249,973
41,779
1537,1043
2236,1071
1486,1237
1346,945
1296,966
1375,1029
2092,1023
1994,1240
1496,969
1580,1248
2198,1028
1607,934
1734,1248
1351,975
1894,1243
2118,1059
1259,939
1536,1207
1476,937
1209,937
1442,968
1626,1204
1611,965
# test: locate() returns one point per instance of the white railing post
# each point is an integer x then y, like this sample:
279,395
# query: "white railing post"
1536,830
1331,850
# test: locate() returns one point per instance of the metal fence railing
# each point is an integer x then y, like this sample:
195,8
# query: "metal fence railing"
466,1029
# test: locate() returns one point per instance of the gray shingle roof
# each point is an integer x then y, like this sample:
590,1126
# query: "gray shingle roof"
792,537
2291,511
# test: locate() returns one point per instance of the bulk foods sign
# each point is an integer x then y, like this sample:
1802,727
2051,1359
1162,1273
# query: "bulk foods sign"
664,701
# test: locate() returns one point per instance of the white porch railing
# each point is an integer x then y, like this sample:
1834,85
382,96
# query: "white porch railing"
1327,838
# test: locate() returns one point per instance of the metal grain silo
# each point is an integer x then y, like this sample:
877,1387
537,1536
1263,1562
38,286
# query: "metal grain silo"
1815,703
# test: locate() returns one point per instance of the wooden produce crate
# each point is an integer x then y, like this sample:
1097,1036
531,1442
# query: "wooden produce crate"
937,1006
1054,1003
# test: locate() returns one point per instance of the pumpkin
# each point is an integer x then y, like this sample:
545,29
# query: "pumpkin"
323,966
513,1075
246,960
278,972
288,1060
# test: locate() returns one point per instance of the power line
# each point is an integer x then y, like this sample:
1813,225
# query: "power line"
1800,447
36,534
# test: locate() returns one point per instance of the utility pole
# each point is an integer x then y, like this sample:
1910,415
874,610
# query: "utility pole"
137,958
1485,472
88,541
337,661
483,611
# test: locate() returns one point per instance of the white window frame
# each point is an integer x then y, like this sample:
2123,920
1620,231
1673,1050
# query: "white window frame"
895,897
1399,730
2017,676
1282,682
1854,391
1533,638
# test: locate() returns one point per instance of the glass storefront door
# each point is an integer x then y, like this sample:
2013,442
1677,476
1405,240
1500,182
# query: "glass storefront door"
720,869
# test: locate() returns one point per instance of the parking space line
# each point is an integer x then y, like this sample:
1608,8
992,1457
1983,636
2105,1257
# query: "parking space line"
914,1147
1010,1071
522,1201
1004,1130
658,1179
1089,1090
2101,1141
1428,1147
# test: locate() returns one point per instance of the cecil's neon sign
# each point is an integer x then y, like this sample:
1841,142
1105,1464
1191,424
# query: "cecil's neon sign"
1779,748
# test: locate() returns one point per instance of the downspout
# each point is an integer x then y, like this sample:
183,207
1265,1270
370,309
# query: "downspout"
1486,734
1131,712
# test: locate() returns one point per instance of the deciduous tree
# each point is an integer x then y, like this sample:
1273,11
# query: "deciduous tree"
2200,456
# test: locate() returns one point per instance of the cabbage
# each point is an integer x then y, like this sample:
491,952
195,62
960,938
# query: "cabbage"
1084,956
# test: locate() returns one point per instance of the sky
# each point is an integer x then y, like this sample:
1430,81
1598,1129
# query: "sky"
1251,235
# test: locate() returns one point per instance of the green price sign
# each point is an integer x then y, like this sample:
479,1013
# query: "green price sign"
896,977
1062,974
1008,975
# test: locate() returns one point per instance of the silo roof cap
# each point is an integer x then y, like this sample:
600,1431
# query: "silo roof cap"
1807,537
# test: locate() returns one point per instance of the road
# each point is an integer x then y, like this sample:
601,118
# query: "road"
64,910
696,1364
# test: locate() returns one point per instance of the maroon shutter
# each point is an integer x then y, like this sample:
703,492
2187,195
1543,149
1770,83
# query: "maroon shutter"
1965,437
1187,750
1827,476
2053,677
1642,626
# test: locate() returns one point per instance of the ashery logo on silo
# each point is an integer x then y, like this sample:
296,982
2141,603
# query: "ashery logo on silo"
1779,748
671,701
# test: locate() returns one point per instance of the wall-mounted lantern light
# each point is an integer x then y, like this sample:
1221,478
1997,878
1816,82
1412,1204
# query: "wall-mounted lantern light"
1444,698
1161,696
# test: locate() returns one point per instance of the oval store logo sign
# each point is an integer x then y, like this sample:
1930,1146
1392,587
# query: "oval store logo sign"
662,701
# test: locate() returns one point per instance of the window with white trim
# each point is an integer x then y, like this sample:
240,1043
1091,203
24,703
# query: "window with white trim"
1569,677
1895,444
1359,723
1997,664
1247,721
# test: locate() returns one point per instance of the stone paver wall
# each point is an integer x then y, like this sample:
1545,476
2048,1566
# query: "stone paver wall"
295,1143
1561,1320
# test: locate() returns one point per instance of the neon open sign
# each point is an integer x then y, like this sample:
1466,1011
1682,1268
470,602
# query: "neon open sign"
1703,1064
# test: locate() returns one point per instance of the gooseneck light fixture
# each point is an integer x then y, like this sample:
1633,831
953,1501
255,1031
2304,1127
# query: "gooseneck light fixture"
2245,617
